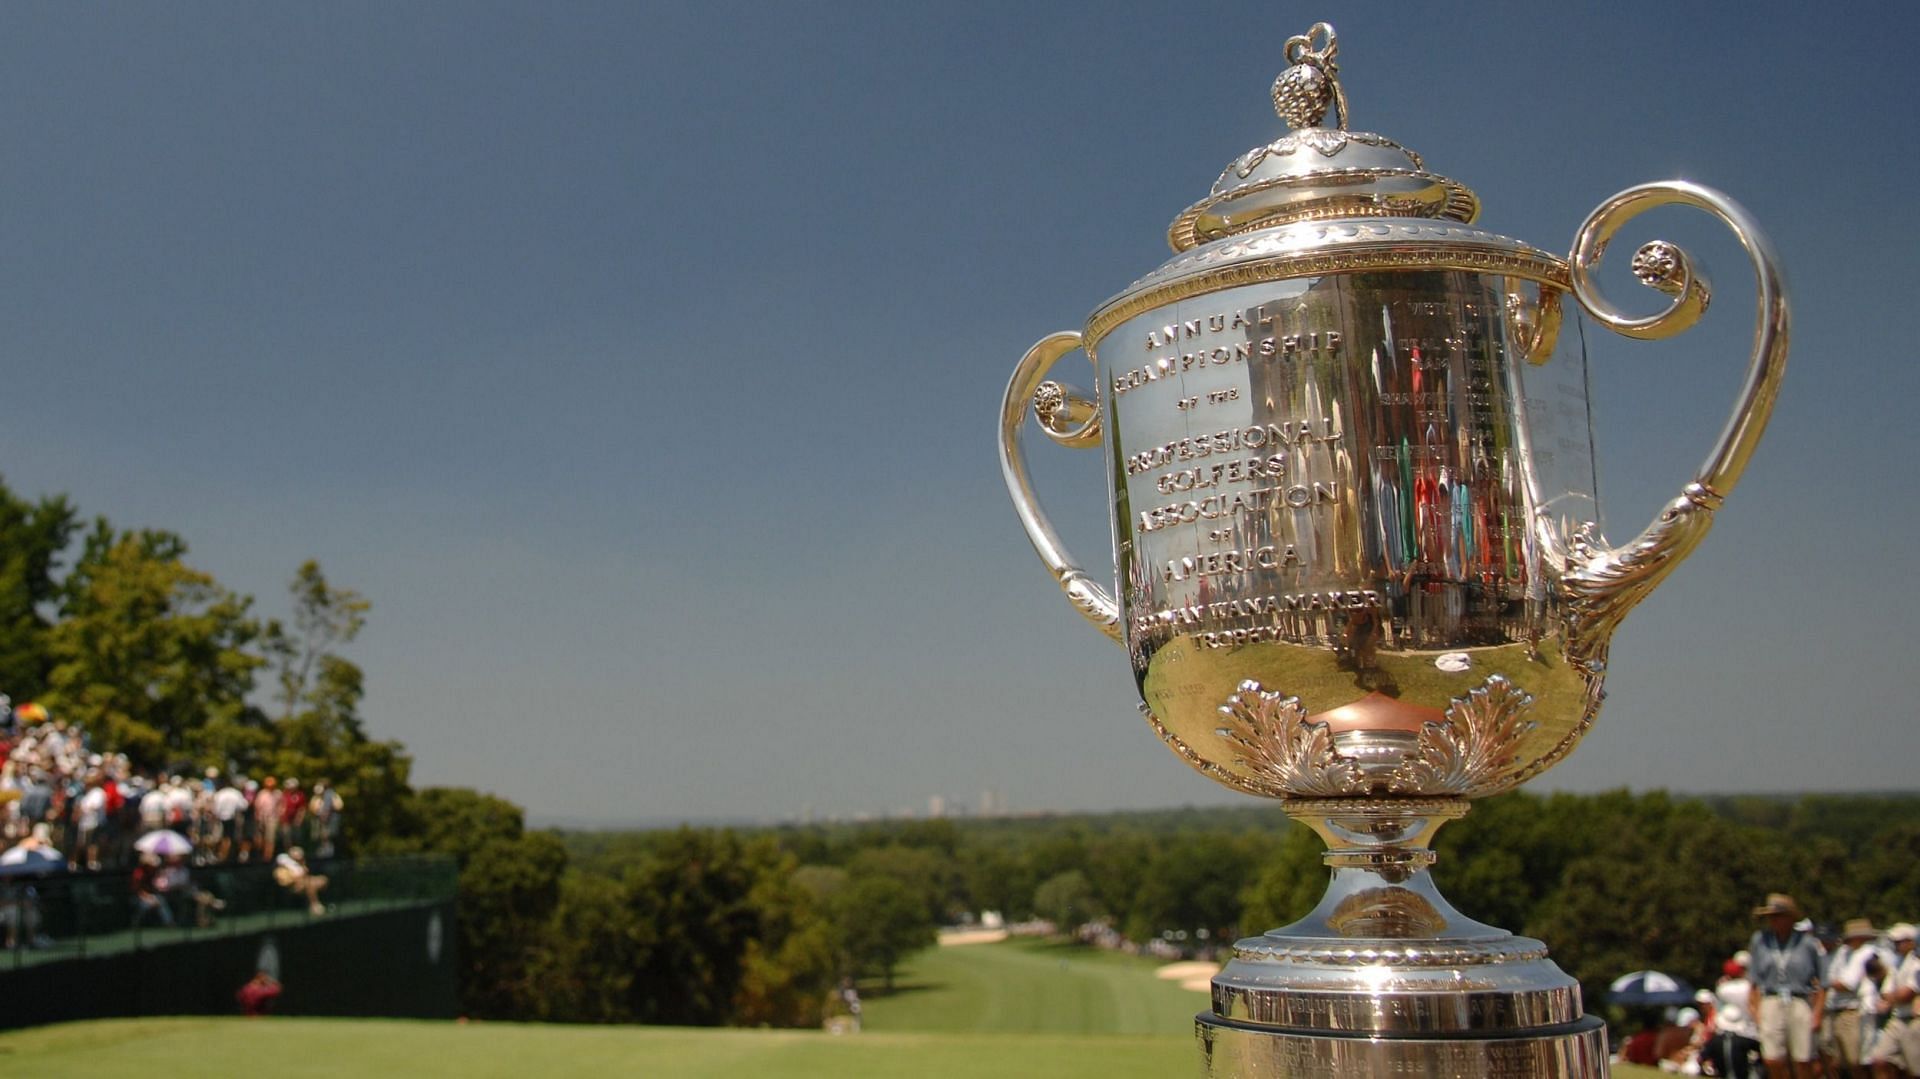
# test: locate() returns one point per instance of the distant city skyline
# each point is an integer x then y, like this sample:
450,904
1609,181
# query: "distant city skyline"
640,362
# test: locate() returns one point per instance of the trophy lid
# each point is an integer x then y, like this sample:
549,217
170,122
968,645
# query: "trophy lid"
1315,172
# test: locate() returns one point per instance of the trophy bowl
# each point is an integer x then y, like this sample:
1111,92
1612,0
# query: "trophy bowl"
1355,565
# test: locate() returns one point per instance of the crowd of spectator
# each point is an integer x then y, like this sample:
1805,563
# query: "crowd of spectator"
58,793
1800,1001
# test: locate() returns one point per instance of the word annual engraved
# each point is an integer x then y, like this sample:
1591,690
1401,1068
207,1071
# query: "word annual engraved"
1253,318
1214,563
1233,440
1273,346
1297,496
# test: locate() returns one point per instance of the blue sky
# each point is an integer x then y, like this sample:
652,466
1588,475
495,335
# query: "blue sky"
640,361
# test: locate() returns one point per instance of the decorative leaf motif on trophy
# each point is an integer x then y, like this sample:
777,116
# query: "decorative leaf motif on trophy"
1473,751
1607,582
1200,764
1289,755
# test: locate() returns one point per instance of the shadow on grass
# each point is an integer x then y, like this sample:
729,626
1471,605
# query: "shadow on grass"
881,992
1063,946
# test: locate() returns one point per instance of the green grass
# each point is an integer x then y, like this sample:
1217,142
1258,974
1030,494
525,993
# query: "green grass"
1036,987
299,1048
1022,1008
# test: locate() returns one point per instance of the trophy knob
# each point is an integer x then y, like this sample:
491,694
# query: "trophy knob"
1305,91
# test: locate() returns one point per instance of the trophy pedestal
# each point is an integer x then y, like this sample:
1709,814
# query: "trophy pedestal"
1233,1050
1385,978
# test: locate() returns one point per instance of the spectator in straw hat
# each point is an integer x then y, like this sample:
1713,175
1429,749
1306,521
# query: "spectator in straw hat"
1787,997
1843,1038
1896,1051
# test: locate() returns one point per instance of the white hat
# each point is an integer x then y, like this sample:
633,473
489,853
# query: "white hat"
1903,931
1687,1017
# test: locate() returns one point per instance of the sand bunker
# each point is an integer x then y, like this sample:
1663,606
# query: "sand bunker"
1179,972
1191,975
951,938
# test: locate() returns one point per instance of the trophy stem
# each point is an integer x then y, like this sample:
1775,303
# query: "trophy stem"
1384,975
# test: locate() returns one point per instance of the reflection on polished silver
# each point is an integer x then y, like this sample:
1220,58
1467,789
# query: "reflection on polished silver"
1472,752
1066,415
1469,753
1282,750
1356,565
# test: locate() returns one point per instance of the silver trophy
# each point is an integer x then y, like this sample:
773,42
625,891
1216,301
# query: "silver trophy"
1355,565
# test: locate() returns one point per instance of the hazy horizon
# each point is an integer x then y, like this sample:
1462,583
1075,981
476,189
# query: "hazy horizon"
640,362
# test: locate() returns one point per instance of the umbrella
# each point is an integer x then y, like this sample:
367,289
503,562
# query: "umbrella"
165,843
1649,987
22,861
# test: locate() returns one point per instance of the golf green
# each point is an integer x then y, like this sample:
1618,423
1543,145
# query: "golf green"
1027,986
1016,1008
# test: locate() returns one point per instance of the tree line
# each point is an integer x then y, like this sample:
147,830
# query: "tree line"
721,926
115,630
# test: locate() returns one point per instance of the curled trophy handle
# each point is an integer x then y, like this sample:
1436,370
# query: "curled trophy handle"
1070,419
1605,582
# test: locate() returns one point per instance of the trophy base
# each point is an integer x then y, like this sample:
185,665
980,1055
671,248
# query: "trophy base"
1385,978
1576,1051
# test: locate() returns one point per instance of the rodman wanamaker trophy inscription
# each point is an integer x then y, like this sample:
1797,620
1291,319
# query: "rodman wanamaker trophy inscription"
1354,561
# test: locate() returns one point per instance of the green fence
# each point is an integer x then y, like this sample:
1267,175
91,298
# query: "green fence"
64,915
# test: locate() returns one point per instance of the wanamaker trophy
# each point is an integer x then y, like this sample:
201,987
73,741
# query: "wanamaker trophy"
1355,564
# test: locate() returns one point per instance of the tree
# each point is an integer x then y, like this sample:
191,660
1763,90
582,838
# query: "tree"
307,668
583,972
1662,884
509,889
318,731
153,656
454,820
1289,886
32,537
881,922
699,895
1065,899
1192,883
791,962
932,879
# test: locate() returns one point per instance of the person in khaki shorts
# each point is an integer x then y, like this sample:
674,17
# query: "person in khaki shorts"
1787,998
1897,1051
1849,985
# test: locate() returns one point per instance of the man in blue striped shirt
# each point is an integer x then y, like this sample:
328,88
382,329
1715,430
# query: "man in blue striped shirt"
1787,996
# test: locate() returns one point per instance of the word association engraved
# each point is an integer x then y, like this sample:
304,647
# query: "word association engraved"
1213,507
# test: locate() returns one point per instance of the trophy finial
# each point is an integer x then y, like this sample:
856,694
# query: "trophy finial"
1303,92
1318,170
